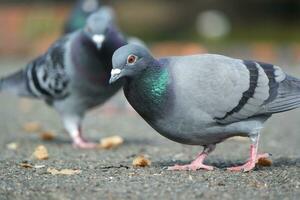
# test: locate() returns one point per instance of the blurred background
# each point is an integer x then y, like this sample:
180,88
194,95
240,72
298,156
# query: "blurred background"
267,30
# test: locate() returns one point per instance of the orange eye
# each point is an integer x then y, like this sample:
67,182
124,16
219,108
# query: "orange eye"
131,59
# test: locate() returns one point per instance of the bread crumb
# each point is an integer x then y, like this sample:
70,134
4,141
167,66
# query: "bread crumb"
111,142
32,127
41,153
264,162
47,135
141,161
26,165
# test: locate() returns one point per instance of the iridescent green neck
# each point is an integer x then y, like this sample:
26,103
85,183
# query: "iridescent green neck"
155,83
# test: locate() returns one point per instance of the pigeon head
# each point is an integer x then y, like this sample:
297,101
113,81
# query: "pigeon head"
98,24
89,5
129,61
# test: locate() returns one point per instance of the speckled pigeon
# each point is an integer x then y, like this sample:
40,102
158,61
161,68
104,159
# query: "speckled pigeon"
73,75
204,99
80,13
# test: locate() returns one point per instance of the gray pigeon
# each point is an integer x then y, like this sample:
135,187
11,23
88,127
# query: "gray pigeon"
204,99
82,10
73,75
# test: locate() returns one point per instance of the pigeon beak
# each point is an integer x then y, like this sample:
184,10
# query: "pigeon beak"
98,39
115,75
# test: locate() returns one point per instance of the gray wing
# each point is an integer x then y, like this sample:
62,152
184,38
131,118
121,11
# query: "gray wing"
47,77
287,96
264,81
231,90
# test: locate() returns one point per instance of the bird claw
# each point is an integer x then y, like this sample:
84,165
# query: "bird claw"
249,165
84,145
190,167
245,168
81,143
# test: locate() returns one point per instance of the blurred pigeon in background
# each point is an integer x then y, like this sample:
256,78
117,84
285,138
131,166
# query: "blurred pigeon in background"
204,99
80,13
73,75
82,10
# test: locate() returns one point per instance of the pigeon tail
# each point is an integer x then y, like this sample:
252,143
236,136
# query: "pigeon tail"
16,84
288,97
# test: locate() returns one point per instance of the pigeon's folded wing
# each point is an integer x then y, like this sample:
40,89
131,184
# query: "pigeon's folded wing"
230,90
47,77
270,90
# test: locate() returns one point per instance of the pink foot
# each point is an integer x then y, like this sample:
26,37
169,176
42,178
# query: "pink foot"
249,165
80,143
191,167
197,163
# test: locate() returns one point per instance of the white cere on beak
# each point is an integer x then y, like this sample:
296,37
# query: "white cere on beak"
98,39
115,72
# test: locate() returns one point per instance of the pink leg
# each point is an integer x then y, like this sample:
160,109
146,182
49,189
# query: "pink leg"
72,125
251,162
197,163
81,143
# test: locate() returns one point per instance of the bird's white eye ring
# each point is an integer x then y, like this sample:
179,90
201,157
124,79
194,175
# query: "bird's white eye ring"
131,59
